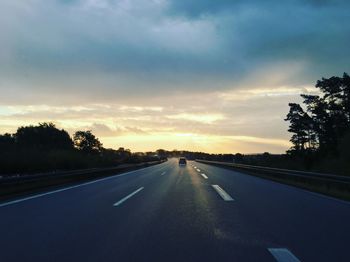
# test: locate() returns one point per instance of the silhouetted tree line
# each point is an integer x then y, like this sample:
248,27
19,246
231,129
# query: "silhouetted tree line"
197,155
320,133
321,127
44,148
264,159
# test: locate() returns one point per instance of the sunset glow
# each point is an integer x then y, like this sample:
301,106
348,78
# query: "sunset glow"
163,74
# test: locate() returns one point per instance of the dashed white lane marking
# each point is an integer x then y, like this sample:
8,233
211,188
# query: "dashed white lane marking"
204,176
283,255
222,193
127,197
162,174
198,170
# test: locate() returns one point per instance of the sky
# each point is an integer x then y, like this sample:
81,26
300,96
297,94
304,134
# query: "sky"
213,76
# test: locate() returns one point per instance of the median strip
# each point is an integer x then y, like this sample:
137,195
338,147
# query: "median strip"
204,176
222,193
127,197
283,255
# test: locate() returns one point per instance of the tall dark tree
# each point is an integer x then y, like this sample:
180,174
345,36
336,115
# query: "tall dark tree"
327,119
44,136
317,109
87,142
300,126
336,97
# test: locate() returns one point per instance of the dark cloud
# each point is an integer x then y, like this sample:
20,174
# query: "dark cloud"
103,49
195,9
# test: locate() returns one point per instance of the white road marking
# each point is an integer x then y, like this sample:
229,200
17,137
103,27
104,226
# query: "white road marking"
222,193
68,188
127,197
198,170
163,174
204,176
195,167
283,255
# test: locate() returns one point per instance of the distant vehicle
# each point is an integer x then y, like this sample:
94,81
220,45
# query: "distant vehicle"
182,161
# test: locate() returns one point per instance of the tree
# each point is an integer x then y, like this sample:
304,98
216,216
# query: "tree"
87,142
7,142
238,157
327,119
336,103
161,152
44,136
300,126
123,153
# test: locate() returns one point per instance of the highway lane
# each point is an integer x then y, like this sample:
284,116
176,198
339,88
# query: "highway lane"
315,227
176,216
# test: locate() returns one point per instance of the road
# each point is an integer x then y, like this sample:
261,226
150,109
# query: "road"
172,213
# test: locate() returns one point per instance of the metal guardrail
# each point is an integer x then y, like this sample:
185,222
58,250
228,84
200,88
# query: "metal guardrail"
328,178
69,173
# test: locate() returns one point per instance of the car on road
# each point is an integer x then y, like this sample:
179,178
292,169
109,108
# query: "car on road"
182,161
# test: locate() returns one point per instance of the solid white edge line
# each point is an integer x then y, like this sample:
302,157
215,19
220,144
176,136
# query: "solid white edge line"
283,255
222,193
204,176
127,197
68,188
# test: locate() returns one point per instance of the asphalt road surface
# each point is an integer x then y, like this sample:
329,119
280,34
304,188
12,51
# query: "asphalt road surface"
169,212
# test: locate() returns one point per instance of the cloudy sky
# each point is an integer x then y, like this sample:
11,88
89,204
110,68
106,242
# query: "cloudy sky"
204,75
